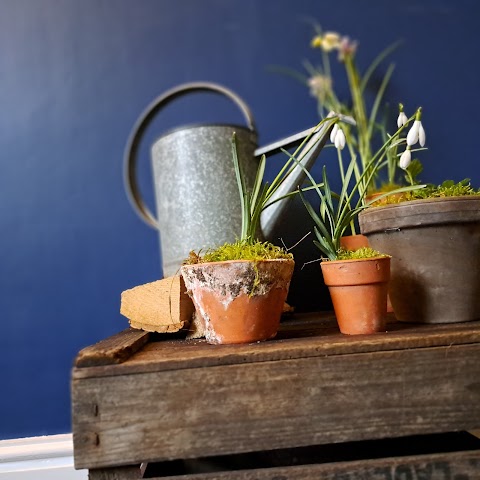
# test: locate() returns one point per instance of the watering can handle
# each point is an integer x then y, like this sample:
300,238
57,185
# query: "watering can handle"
136,135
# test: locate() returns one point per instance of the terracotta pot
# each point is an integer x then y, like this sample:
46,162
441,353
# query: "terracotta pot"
359,293
354,242
435,249
240,301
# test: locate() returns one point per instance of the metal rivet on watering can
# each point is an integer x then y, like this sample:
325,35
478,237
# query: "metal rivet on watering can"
196,192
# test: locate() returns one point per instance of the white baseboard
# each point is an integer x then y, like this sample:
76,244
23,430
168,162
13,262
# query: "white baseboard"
39,458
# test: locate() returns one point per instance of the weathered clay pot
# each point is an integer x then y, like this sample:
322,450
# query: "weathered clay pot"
359,293
240,301
435,249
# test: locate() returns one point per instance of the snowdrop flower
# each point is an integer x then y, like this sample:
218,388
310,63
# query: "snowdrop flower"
412,137
339,139
421,135
333,133
402,118
405,159
417,132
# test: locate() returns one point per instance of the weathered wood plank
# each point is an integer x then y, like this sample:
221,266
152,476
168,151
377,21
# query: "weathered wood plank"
130,472
112,350
307,337
225,409
438,466
445,466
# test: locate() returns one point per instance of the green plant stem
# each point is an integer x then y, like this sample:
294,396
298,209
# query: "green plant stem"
340,165
359,109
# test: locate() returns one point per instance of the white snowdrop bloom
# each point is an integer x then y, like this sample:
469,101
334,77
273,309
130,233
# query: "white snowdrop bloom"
412,136
340,140
402,119
333,133
405,159
421,135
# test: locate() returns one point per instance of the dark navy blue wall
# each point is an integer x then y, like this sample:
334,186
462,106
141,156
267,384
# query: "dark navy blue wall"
74,75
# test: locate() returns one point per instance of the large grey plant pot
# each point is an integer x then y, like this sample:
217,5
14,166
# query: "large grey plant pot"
435,249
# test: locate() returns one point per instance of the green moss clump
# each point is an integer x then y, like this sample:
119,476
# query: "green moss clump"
364,252
447,189
385,188
239,250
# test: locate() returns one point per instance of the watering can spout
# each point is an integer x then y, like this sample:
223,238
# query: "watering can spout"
317,138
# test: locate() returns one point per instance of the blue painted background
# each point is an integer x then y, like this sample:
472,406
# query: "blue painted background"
74,76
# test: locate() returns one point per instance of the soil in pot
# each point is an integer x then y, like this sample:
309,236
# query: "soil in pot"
240,301
435,249
358,289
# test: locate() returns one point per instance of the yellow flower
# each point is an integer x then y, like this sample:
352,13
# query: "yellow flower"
328,42
316,42
331,41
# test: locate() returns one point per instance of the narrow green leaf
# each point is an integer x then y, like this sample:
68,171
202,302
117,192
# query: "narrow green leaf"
242,189
324,237
257,185
378,99
295,192
310,209
327,190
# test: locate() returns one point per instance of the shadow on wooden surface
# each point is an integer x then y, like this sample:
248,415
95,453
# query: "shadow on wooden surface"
350,451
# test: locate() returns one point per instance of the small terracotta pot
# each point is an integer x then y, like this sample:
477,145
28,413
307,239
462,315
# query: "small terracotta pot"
354,242
359,293
240,301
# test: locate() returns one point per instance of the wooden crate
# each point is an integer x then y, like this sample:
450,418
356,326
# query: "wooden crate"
140,397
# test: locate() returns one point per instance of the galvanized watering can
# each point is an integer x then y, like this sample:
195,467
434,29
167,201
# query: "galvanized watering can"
196,192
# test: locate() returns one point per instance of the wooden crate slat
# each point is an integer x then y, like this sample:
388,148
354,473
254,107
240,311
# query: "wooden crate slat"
314,336
265,405
112,350
463,465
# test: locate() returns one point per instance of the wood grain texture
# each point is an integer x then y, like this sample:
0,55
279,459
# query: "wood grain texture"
162,306
303,337
458,465
439,466
262,405
130,472
112,350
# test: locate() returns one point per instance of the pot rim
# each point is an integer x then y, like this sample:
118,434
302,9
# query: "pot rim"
421,201
351,260
420,213
223,262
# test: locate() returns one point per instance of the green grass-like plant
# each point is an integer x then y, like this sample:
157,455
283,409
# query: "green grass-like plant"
338,212
253,202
